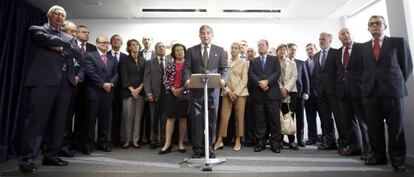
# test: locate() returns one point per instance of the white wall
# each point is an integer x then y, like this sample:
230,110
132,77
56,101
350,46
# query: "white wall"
226,31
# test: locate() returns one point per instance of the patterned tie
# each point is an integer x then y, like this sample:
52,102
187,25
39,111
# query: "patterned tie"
323,59
205,55
105,61
162,67
376,49
346,57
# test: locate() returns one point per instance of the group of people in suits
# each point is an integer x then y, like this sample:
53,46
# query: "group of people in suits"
117,90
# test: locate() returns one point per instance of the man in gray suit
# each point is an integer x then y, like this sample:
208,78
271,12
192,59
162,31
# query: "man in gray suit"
204,58
155,91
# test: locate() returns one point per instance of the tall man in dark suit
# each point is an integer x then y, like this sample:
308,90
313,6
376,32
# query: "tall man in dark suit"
200,59
116,43
387,65
325,68
350,112
312,104
80,130
155,93
49,86
101,76
302,86
264,73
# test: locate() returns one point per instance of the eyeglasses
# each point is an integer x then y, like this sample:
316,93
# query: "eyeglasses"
377,23
105,42
58,14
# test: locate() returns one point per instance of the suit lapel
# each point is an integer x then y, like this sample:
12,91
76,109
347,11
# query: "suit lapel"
384,48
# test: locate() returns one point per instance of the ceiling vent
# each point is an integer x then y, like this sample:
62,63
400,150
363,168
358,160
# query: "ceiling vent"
174,10
251,11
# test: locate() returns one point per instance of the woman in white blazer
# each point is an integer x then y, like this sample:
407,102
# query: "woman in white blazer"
287,84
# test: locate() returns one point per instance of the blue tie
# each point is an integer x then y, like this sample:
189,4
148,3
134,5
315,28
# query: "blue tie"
263,62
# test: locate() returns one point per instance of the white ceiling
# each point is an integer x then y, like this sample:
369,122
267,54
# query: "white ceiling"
130,9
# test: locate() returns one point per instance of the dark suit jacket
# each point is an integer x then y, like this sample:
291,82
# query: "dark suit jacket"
75,63
194,64
132,74
349,81
302,83
47,64
271,73
326,77
152,76
312,79
97,75
90,47
389,74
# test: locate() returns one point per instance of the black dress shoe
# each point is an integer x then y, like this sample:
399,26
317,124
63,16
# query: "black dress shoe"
375,160
212,155
168,150
182,150
153,146
66,154
54,161
85,150
105,148
293,146
366,156
331,146
310,142
196,155
276,149
28,168
301,144
399,167
259,148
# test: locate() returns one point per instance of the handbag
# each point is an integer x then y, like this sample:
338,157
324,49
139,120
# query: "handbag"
287,123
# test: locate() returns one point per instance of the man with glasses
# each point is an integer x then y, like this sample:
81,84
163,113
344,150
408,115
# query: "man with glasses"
101,76
49,85
387,65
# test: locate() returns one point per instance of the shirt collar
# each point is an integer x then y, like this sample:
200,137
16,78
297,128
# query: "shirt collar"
208,46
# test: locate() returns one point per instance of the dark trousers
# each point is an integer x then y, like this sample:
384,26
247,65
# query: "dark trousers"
46,117
158,119
327,105
377,108
353,124
68,137
116,115
267,121
249,122
99,110
299,112
311,108
197,116
80,128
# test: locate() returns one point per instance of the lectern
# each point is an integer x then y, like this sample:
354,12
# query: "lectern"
206,81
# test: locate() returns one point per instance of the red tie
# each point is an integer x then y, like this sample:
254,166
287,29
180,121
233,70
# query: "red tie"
346,57
376,49
105,61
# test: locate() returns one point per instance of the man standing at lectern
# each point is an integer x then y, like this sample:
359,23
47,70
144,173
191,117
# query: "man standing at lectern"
204,58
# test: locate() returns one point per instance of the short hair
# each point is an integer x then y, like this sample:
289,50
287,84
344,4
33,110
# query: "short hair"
264,40
157,44
175,46
203,27
129,43
281,46
66,24
289,45
243,41
113,36
329,35
55,8
378,16
311,44
235,43
79,27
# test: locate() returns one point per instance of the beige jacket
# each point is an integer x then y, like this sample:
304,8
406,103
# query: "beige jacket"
237,82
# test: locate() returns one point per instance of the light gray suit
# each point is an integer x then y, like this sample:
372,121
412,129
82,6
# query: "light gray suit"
153,86
194,64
